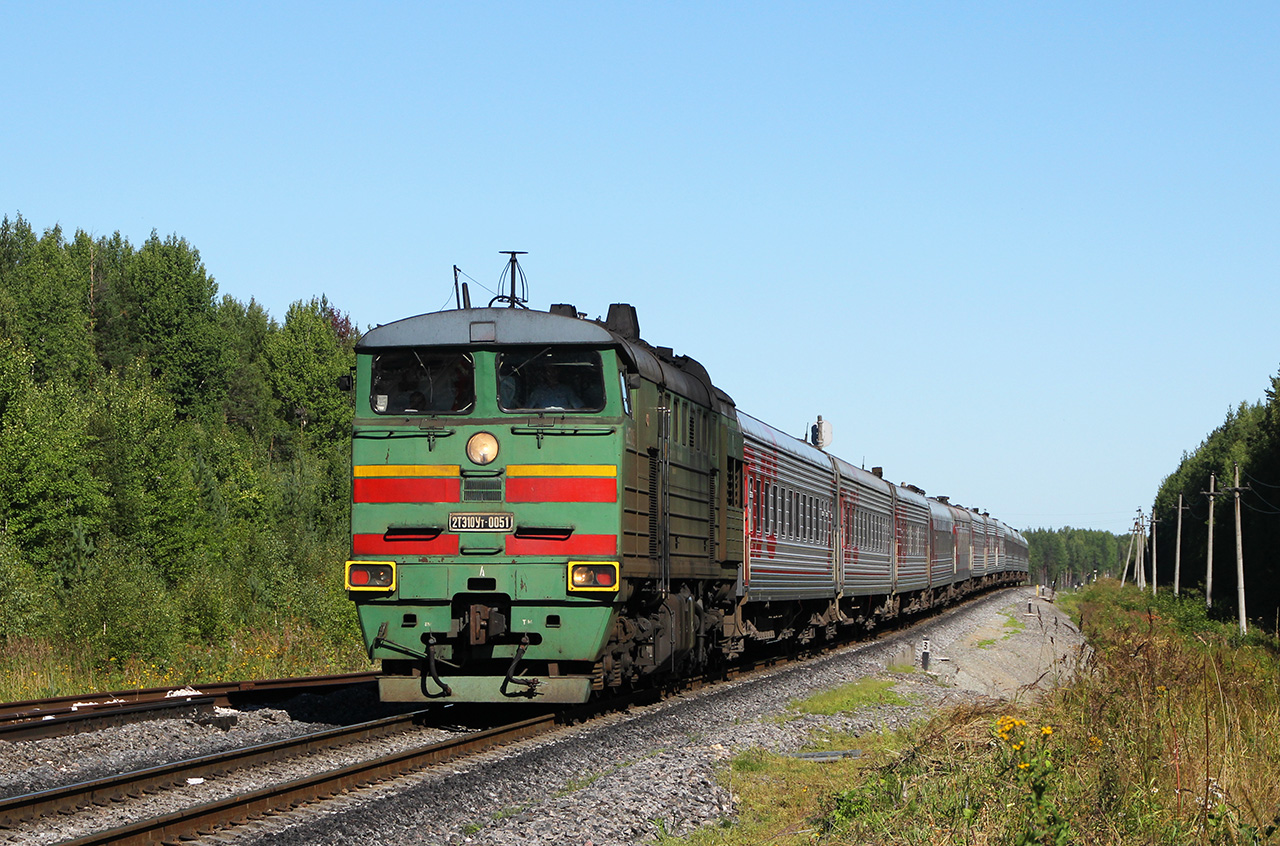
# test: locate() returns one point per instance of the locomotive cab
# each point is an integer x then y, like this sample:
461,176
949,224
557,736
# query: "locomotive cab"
486,508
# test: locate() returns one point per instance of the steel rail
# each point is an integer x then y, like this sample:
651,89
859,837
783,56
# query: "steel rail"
91,718
223,692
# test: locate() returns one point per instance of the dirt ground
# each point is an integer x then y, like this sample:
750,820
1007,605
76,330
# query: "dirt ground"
1010,650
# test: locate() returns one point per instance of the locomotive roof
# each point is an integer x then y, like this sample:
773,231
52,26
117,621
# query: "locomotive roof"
501,326
469,327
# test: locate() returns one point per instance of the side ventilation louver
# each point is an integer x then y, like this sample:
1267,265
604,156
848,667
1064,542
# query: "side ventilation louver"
653,506
711,520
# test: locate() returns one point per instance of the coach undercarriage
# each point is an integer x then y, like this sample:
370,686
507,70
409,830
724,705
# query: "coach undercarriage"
699,626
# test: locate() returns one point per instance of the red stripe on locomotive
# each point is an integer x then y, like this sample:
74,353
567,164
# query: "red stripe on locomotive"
406,490
572,545
559,489
380,545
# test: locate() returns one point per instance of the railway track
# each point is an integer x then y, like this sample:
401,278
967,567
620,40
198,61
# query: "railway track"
62,715
206,817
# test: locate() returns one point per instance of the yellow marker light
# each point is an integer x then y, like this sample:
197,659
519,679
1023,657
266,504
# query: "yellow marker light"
482,448
593,575
371,575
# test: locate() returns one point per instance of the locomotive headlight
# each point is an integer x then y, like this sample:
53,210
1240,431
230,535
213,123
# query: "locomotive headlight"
482,448
602,576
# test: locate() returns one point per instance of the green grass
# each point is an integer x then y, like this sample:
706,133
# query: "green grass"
1013,624
850,697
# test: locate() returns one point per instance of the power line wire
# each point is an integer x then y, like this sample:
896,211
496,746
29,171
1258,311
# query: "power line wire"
1252,478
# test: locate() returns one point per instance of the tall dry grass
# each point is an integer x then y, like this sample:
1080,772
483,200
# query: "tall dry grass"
1168,733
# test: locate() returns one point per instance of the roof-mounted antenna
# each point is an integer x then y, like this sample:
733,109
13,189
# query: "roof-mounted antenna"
513,269
463,296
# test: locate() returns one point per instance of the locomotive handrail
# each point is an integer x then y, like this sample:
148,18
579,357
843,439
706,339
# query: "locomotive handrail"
553,429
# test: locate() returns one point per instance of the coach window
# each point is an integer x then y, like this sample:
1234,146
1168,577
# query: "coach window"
550,379
759,507
784,513
751,505
419,381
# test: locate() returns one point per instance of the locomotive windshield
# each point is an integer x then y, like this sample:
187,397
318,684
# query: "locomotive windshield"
550,379
419,381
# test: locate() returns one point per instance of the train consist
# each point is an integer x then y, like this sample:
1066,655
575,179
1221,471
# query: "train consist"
546,508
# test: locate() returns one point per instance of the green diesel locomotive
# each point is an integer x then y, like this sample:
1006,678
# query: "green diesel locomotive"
546,507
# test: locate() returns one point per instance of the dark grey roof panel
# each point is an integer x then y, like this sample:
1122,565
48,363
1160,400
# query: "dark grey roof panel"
467,327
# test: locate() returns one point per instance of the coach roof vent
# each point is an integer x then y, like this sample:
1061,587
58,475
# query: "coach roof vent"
622,320
564,310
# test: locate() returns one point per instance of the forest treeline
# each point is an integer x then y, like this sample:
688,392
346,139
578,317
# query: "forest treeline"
173,464
1066,557
1249,437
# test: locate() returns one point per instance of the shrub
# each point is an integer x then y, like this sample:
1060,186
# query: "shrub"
121,610
25,598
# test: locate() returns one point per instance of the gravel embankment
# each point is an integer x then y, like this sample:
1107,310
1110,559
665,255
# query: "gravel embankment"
618,780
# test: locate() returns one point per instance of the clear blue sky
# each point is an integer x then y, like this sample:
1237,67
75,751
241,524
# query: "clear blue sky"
1022,254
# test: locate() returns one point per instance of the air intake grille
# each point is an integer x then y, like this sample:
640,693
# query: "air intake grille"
484,489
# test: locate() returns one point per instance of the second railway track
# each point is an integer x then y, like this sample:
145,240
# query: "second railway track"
60,715
239,806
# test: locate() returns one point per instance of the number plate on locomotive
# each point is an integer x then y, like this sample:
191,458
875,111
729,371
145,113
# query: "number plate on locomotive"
487,521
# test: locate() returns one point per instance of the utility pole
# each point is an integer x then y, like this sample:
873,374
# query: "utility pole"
1236,489
1153,550
1208,568
1177,550
1124,574
1140,565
